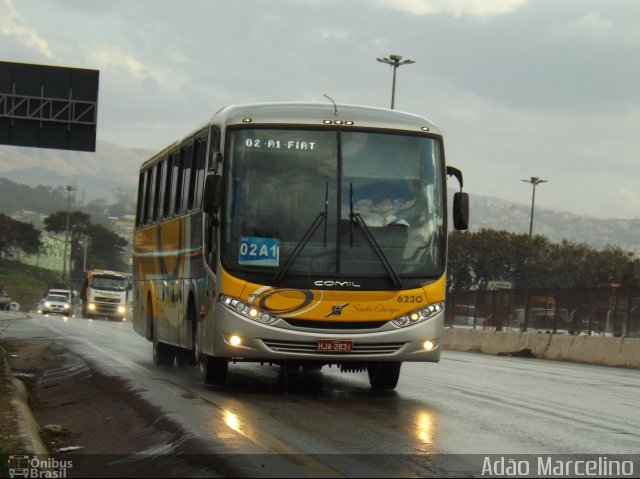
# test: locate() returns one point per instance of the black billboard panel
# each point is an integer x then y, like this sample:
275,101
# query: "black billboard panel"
48,107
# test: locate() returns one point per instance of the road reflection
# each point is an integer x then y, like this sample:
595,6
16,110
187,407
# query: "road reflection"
281,409
424,427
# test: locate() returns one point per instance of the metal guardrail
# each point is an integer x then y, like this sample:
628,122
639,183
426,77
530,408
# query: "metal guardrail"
605,311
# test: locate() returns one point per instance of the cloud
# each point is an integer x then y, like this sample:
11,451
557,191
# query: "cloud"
330,34
457,8
110,58
12,26
592,26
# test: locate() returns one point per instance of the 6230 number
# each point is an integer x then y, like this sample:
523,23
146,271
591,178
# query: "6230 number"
409,299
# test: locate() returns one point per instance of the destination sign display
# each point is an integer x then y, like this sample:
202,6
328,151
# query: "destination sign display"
256,251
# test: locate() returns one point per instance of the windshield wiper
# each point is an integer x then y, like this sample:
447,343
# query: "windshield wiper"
355,218
322,216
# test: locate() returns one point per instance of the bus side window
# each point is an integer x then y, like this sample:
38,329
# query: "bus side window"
159,183
141,191
198,171
148,196
186,159
176,184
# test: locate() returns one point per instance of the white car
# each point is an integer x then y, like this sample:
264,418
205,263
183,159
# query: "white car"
56,304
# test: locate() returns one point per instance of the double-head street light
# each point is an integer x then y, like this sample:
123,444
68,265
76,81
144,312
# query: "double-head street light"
69,189
535,181
395,61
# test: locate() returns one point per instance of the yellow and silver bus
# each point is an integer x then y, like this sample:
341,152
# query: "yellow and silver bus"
296,234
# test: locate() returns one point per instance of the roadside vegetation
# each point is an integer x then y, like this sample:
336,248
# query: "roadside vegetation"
477,257
25,284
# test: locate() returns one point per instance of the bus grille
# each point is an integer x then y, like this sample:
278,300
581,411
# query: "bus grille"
311,347
334,324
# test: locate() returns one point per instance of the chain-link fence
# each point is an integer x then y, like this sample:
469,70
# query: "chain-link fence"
594,311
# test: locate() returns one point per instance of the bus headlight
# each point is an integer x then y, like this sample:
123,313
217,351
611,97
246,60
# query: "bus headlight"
248,311
415,317
66,306
122,309
92,307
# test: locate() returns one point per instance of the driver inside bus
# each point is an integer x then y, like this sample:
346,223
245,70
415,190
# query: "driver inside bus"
384,212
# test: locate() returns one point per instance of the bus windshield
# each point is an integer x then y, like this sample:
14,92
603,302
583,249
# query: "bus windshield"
322,193
109,283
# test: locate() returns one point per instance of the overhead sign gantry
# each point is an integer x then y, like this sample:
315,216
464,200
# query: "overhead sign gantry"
48,107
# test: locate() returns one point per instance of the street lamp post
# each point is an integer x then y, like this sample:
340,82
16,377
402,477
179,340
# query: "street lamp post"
535,181
69,189
395,62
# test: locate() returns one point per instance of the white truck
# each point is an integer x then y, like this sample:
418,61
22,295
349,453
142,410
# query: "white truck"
106,294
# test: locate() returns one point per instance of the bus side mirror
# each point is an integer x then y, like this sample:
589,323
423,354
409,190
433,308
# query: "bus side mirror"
212,193
460,202
461,211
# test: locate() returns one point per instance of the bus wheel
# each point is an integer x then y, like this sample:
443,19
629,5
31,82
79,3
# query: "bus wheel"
213,370
384,375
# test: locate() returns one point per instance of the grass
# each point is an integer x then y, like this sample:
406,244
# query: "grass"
25,284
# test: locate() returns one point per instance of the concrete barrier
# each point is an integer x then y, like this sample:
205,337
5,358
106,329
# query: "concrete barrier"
600,350
28,428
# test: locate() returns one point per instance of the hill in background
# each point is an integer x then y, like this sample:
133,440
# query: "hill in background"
111,173
495,213
95,175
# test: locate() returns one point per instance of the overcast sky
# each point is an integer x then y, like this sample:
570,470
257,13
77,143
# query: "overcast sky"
547,88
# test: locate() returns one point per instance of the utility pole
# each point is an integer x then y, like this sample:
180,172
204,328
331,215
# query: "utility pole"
394,61
535,181
69,189
86,247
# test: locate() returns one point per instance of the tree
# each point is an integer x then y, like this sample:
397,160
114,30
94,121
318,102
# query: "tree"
106,249
18,234
631,272
78,224
57,222
460,257
534,262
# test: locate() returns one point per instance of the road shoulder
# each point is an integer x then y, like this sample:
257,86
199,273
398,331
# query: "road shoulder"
96,421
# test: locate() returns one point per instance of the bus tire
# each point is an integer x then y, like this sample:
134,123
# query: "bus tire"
213,370
384,375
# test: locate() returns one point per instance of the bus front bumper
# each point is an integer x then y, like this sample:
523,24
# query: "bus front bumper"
237,337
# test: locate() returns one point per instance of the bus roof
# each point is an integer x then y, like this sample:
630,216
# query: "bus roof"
317,113
310,114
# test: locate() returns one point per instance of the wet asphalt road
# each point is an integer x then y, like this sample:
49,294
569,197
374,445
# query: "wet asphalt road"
330,424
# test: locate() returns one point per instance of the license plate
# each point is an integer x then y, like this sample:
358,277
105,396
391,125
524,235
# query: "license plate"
335,345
